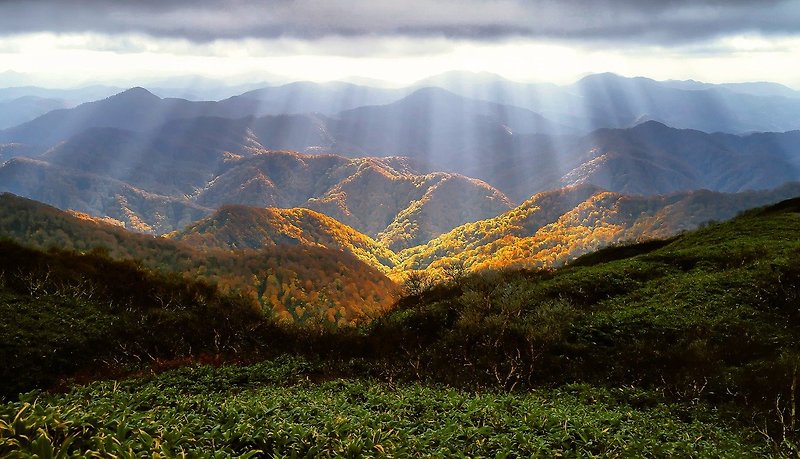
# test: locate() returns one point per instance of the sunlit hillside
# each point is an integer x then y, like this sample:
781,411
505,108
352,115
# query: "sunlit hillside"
553,228
381,197
162,184
709,315
297,283
241,227
689,334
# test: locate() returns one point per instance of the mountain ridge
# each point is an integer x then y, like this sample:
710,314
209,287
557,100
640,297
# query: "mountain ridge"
554,227
205,174
292,282
443,131
238,227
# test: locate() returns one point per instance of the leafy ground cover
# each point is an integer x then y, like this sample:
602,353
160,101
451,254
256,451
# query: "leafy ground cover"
273,410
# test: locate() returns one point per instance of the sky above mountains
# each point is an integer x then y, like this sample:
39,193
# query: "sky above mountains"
65,42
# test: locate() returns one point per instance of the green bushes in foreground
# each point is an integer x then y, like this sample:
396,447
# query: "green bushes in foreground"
712,315
272,410
64,313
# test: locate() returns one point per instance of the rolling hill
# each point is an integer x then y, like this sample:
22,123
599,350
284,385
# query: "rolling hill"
381,197
552,228
132,207
294,282
67,315
652,158
240,227
710,315
649,158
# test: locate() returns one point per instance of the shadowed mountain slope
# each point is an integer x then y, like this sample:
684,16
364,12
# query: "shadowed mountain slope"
204,163
514,149
132,207
135,109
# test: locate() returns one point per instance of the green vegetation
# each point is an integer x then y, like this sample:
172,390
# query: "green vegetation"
65,314
272,410
694,342
712,315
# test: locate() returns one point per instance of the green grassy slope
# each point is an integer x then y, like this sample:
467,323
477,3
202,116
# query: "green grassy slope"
64,313
685,347
712,315
271,410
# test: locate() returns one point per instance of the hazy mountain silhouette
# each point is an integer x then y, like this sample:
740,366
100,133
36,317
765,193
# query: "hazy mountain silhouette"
611,101
325,98
652,158
25,108
136,109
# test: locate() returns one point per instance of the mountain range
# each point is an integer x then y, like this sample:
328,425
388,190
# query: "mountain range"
553,228
466,169
514,149
157,192
238,242
548,230
608,100
595,101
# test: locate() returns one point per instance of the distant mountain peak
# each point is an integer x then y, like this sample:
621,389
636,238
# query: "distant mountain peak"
461,76
601,77
609,79
137,92
651,125
433,91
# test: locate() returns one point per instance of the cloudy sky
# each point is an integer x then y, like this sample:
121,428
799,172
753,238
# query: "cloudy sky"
67,42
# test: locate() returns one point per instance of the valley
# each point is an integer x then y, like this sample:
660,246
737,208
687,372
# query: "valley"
465,265
587,328
378,229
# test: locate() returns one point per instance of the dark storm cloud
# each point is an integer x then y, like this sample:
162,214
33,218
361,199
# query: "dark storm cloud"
663,21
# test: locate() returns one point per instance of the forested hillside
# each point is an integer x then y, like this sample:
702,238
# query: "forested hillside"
66,313
700,329
298,283
241,227
555,227
710,315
